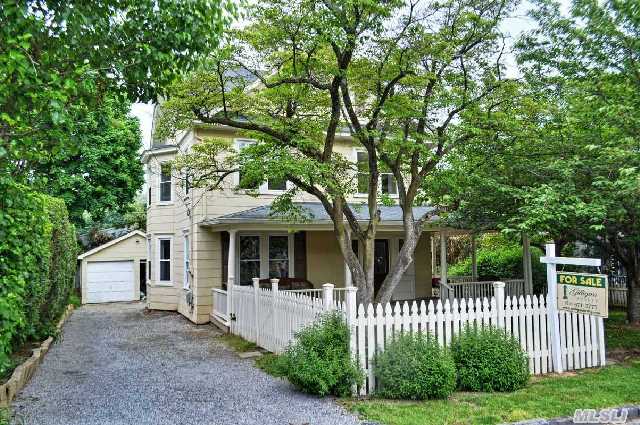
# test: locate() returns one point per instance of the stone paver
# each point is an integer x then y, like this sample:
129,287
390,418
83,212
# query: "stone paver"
117,364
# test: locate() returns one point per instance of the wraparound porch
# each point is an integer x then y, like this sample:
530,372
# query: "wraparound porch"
306,255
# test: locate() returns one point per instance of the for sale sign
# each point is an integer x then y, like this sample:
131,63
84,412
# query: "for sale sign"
583,293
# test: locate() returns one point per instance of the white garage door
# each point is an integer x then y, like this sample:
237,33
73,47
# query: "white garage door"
109,281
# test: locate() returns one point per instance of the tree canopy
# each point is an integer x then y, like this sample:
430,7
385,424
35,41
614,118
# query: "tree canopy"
566,161
407,81
59,59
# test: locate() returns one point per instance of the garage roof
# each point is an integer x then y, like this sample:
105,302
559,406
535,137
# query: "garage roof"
111,243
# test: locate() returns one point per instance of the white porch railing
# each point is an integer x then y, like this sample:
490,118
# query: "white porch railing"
467,289
219,309
339,294
459,279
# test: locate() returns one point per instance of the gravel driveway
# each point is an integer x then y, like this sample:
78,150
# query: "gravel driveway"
117,364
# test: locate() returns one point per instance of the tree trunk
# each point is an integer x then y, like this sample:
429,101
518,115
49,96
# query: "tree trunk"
402,263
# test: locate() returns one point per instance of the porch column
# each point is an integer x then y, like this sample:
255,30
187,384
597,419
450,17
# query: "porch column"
474,260
231,268
348,281
526,264
443,257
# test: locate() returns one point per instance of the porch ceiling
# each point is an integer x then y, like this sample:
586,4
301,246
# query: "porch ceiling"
318,219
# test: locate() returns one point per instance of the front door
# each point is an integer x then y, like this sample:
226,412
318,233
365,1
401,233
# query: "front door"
381,262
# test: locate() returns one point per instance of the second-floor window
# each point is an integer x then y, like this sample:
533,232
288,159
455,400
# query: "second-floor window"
246,182
165,183
387,182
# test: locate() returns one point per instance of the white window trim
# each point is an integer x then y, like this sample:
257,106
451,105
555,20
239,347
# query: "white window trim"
160,186
264,252
263,189
171,254
365,194
186,254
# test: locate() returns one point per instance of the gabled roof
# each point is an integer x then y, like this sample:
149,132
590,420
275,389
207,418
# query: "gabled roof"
317,214
111,243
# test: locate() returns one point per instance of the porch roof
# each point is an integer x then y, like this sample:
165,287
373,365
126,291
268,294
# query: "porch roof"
316,214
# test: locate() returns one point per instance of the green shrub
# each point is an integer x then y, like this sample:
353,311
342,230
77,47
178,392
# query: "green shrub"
488,359
318,362
495,263
414,366
37,265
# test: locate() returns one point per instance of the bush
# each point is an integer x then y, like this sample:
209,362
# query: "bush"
497,263
318,362
414,366
488,359
37,265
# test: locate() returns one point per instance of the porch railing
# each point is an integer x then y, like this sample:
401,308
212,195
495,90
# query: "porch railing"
466,290
219,309
618,290
339,294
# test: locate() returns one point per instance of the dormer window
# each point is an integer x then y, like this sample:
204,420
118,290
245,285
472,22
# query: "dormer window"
165,183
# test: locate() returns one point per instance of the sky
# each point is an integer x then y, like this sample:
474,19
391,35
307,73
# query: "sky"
513,27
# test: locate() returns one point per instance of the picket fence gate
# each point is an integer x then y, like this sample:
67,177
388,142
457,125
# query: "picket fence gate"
270,318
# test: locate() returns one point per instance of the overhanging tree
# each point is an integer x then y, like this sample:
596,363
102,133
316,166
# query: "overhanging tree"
566,162
406,81
60,59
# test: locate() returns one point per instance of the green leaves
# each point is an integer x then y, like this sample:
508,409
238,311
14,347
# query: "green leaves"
59,60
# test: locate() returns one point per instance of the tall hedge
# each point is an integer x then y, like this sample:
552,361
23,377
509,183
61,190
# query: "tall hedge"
37,265
502,262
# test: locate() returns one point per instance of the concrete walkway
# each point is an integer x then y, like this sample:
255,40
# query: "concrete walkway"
117,364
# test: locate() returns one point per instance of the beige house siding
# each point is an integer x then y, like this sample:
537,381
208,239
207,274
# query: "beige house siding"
131,249
324,259
185,213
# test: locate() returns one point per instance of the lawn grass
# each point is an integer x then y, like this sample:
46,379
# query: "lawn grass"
238,344
621,336
271,364
544,397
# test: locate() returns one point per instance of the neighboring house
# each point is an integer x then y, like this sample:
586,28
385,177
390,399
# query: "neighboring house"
199,241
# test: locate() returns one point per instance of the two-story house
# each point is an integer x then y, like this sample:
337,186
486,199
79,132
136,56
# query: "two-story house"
198,241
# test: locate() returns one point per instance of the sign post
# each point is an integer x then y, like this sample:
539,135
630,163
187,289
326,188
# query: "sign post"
552,296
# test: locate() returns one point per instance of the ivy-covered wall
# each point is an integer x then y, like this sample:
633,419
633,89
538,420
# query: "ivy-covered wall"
38,252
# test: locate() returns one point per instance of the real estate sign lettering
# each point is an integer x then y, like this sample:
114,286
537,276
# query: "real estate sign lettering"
583,293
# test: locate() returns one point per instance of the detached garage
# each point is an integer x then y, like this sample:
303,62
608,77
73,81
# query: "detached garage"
114,271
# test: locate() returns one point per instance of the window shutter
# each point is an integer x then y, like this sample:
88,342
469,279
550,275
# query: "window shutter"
300,255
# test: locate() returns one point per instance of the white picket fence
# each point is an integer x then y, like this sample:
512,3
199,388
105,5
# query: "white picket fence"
270,318
581,336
